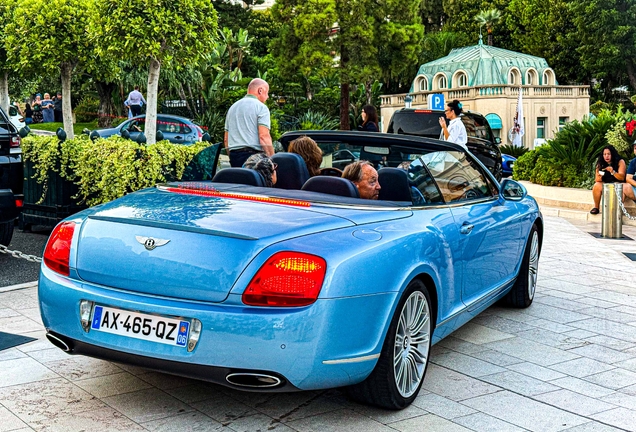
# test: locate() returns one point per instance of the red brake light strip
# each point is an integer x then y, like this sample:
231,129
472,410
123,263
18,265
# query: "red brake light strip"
218,194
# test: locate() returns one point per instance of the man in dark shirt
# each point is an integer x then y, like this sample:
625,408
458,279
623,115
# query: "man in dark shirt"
57,108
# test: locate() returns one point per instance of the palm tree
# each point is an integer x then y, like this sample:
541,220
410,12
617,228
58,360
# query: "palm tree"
488,18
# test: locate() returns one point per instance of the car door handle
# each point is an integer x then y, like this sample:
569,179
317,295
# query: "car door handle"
466,228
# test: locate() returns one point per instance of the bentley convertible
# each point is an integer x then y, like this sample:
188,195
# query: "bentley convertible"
300,286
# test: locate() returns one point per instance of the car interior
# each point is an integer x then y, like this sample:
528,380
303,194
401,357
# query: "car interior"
408,176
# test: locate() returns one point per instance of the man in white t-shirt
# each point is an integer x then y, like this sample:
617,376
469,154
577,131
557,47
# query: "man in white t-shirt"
456,131
247,125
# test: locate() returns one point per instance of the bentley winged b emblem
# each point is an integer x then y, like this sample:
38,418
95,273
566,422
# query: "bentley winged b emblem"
151,243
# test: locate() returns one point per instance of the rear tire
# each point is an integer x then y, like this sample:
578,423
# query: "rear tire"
498,172
6,233
522,293
399,374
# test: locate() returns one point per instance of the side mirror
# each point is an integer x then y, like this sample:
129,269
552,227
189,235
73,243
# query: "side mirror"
159,136
498,140
93,135
206,137
23,132
141,138
512,190
125,134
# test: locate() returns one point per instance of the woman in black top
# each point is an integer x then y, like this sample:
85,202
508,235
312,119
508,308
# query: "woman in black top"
610,168
369,119
28,114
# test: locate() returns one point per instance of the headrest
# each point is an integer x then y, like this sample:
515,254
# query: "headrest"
332,185
239,176
394,183
292,171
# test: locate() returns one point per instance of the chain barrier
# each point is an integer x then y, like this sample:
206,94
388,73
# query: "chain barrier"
620,202
18,254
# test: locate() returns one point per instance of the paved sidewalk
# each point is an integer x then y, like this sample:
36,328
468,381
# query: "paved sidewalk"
566,363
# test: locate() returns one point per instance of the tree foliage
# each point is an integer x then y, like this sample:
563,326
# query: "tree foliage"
52,35
153,33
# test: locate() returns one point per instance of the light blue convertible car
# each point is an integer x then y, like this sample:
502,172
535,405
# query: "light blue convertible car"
301,286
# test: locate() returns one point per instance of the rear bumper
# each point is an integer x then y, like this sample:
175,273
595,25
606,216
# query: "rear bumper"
332,343
8,209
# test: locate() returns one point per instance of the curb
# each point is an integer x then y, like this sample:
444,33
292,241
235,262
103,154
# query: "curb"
19,286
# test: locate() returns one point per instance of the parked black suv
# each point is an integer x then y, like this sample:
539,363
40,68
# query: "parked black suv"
11,197
481,143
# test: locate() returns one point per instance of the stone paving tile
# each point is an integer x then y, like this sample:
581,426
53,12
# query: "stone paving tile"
571,287
387,416
562,303
550,293
459,345
146,405
9,422
11,354
23,370
531,351
18,300
619,417
519,383
429,422
614,379
44,400
582,367
525,412
601,353
574,402
608,314
256,422
105,419
497,358
621,399
187,422
484,422
454,386
47,355
583,387
581,334
555,314
465,364
338,421
502,324
442,406
478,334
611,342
223,408
535,371
597,302
594,427
627,364
546,324
81,367
8,313
553,339
19,325
166,381
197,392
111,385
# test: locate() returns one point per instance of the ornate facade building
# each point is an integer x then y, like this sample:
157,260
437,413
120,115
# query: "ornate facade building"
487,79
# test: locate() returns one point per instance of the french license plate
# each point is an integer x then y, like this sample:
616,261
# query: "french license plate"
169,331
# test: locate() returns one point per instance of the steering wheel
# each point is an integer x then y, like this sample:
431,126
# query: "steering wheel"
471,194
332,172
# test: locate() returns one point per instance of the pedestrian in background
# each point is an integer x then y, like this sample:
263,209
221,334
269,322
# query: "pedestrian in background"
47,109
456,131
57,108
28,112
610,168
247,125
135,99
37,109
369,119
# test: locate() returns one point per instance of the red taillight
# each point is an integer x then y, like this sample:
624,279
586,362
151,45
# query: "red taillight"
58,248
287,279
19,202
15,141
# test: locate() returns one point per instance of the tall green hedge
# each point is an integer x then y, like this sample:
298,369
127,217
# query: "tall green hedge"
106,169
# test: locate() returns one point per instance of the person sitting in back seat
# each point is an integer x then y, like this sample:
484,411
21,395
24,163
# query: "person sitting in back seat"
309,151
264,166
365,177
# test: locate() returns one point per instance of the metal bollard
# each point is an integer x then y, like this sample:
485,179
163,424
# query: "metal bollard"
611,222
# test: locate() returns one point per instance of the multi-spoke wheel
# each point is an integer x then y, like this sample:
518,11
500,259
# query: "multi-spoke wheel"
412,339
522,293
399,374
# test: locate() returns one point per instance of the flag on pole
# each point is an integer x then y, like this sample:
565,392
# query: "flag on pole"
518,127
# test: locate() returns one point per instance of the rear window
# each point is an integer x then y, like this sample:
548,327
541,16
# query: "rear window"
422,123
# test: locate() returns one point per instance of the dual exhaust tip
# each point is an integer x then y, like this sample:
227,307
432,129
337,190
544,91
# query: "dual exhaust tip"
238,379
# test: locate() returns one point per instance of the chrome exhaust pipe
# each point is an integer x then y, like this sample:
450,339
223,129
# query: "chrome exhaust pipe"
58,342
253,380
